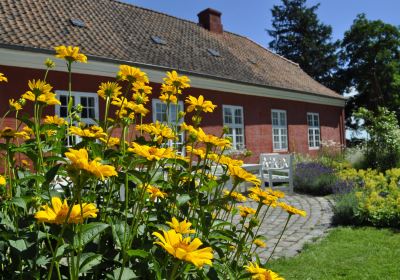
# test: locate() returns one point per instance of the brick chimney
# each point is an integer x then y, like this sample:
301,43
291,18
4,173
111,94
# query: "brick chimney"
211,20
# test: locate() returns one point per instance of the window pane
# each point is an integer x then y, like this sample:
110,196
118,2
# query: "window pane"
63,100
227,115
91,102
275,118
84,101
84,113
238,116
316,121
282,119
63,112
310,120
91,113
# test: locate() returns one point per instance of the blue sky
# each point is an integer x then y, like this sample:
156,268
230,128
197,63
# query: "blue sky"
250,18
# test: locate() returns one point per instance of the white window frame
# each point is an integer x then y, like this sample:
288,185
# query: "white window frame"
77,100
282,131
234,126
171,121
314,131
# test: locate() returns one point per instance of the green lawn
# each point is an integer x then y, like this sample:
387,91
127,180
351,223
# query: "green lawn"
346,253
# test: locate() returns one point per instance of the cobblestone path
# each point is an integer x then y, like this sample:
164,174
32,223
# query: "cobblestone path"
300,230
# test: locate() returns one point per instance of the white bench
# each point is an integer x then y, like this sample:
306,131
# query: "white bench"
276,168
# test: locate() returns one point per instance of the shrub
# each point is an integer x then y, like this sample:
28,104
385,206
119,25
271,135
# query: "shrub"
383,144
63,214
375,199
314,178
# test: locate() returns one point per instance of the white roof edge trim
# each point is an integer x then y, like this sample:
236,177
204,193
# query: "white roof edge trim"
27,59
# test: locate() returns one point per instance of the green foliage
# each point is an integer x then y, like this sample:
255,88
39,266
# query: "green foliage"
370,52
383,143
299,36
375,199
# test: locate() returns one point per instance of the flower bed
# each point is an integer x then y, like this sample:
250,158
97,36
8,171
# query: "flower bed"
62,212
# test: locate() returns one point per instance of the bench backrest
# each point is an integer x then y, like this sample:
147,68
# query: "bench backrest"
276,161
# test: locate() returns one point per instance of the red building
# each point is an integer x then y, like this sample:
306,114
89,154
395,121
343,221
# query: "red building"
267,101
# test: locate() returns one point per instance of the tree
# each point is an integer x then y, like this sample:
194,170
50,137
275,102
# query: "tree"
299,36
371,56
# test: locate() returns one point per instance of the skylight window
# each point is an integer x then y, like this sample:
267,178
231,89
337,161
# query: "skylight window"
158,40
253,60
77,22
214,52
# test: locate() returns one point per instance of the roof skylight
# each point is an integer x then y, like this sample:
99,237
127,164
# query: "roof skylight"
77,22
158,40
214,52
253,60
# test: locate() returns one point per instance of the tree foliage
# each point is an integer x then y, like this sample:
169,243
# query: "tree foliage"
299,36
371,56
383,143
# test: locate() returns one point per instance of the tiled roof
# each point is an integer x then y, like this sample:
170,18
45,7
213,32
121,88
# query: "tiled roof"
121,31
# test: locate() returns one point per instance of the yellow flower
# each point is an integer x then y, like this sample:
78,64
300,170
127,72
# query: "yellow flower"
70,54
151,153
58,211
159,130
179,82
235,195
141,88
3,78
212,140
240,175
168,98
199,104
278,194
15,104
132,74
259,243
2,180
184,249
140,98
292,210
230,161
155,192
201,152
54,120
111,142
260,273
80,160
109,89
41,91
181,227
49,63
245,211
93,132
9,133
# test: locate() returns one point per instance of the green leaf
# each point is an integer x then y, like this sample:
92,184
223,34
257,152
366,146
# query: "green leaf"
19,245
88,233
137,253
118,230
127,274
88,261
42,261
61,249
19,202
51,173
182,199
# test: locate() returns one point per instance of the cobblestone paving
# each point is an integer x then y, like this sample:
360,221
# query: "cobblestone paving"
300,230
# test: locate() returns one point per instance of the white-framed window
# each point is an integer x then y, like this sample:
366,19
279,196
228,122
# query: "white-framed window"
279,130
233,120
90,109
314,136
160,114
